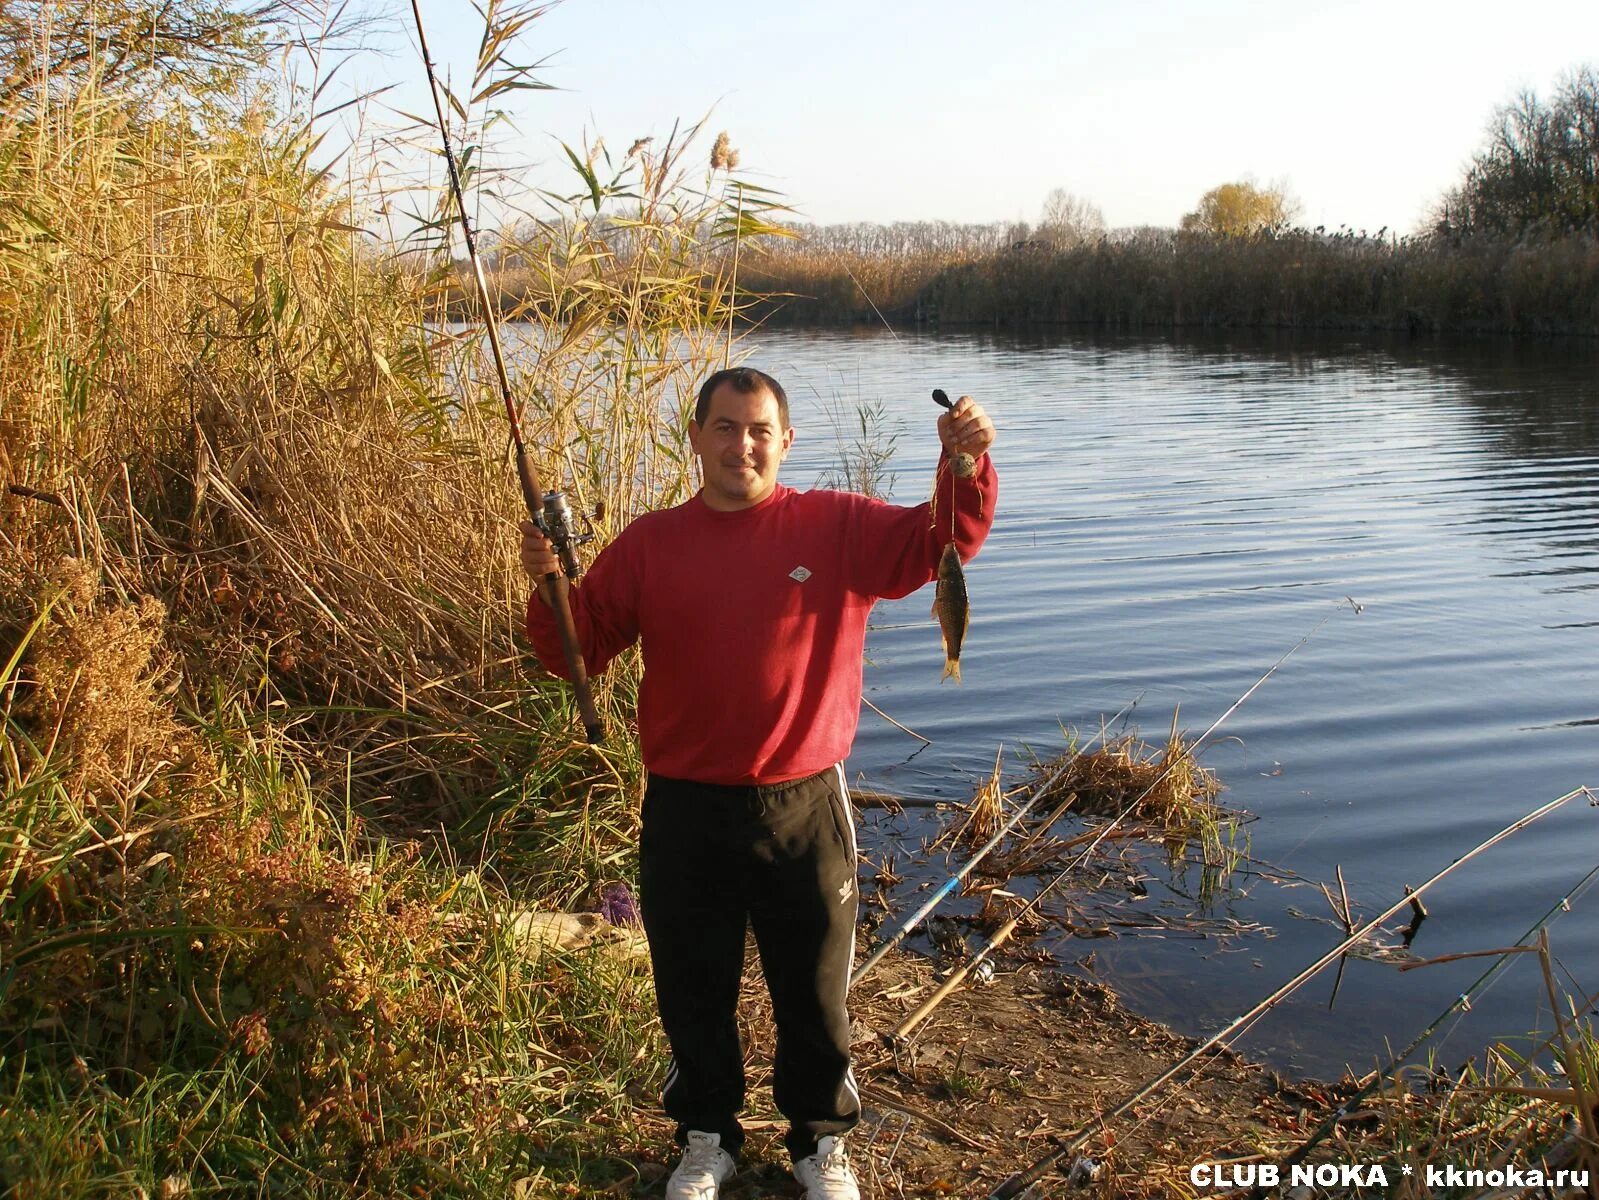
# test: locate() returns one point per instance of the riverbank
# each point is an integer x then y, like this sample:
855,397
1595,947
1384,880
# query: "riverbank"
1006,1071
1003,1069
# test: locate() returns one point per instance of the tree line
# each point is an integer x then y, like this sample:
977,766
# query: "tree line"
1510,247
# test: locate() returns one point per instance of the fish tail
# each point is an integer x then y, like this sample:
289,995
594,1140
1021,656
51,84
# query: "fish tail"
952,666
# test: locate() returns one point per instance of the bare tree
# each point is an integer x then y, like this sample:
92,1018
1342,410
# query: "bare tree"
1538,172
1069,220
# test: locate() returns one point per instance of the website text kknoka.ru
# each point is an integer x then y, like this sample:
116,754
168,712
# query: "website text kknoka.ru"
1224,1176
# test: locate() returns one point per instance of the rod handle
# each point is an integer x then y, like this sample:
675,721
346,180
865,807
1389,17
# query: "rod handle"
554,589
956,978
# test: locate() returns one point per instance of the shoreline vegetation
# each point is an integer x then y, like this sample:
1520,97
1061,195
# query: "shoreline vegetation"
937,274
1291,278
280,784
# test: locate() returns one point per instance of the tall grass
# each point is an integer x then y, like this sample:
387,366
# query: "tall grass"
270,736
1294,278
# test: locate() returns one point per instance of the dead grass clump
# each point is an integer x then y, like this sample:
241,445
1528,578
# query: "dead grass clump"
1164,787
308,949
97,672
985,814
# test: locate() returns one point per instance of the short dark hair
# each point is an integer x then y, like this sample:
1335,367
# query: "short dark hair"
741,379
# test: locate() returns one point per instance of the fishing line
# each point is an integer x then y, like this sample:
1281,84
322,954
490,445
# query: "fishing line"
1188,751
870,301
954,880
1461,1002
1001,935
1023,1180
548,511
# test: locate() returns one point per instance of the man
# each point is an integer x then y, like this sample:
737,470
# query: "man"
750,603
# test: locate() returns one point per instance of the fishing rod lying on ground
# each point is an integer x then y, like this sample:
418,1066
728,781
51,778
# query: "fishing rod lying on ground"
1002,935
1023,1180
548,510
950,884
1462,1001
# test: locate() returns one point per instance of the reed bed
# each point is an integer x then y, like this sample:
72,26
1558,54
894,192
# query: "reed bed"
269,730
1153,278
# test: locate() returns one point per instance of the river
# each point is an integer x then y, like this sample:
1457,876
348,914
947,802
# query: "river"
1177,513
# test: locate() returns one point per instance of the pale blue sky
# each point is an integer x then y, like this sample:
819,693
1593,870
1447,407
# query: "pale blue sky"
925,109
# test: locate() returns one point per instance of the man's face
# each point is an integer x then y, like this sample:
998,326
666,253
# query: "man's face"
740,447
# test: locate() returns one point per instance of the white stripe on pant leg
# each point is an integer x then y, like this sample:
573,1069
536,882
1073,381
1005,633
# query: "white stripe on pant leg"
671,1078
849,1082
849,819
849,813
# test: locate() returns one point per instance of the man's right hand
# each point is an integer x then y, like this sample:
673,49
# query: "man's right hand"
538,556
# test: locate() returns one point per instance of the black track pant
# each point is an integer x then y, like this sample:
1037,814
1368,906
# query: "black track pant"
781,858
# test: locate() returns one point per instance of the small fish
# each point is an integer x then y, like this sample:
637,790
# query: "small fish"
951,609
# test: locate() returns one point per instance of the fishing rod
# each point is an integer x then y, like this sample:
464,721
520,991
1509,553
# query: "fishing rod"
1023,1180
950,884
548,510
1462,1001
1003,933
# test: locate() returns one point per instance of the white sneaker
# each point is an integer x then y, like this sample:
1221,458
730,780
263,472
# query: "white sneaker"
825,1175
705,1165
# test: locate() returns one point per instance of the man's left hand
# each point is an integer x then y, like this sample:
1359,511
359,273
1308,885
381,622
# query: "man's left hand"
966,428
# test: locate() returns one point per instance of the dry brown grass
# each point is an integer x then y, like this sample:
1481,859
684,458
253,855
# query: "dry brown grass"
95,701
268,718
985,814
1163,787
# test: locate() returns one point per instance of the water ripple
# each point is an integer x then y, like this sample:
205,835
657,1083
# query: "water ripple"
1173,517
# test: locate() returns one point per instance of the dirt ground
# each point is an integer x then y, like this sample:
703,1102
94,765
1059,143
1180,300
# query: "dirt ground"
1000,1072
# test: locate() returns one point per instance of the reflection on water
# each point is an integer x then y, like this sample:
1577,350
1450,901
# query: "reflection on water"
1174,515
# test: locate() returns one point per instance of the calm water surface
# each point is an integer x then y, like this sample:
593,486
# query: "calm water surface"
1175,515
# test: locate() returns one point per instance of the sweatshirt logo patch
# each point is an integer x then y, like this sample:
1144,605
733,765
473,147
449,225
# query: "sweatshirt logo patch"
799,574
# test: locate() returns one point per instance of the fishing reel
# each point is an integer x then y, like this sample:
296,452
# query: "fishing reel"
555,522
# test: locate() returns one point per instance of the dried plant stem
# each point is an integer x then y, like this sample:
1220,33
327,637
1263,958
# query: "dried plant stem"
1575,1070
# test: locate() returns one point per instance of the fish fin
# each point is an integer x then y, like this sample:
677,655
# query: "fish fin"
952,666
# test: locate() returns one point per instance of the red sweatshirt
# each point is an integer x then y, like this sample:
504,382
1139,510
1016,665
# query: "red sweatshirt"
753,622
